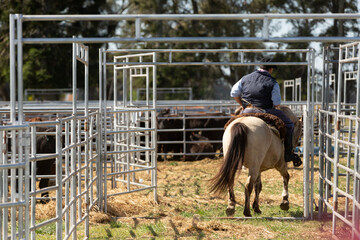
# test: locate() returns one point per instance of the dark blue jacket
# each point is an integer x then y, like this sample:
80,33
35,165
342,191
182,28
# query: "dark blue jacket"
257,88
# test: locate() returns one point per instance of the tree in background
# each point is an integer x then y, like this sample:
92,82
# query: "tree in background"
49,66
205,79
310,27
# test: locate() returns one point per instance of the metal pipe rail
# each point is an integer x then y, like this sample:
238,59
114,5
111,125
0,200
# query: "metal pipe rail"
137,18
117,17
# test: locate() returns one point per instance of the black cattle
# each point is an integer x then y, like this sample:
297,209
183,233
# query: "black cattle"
196,126
44,144
200,145
167,121
206,121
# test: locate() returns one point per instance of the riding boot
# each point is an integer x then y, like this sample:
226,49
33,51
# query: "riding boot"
289,154
288,147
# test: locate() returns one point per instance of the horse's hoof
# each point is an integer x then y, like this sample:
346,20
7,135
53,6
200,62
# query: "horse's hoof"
284,205
257,210
230,211
247,213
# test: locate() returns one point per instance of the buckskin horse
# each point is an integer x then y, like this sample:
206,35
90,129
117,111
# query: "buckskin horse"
252,143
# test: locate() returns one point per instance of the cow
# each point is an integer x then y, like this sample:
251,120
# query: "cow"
44,144
201,145
166,121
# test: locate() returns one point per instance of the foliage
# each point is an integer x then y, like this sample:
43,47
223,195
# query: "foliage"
49,66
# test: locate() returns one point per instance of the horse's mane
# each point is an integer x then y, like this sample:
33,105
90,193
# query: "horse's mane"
269,119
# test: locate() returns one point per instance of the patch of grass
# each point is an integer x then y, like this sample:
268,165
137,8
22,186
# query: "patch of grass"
173,163
115,224
186,209
49,229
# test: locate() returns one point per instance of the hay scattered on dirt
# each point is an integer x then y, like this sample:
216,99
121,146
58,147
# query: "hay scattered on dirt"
99,217
182,187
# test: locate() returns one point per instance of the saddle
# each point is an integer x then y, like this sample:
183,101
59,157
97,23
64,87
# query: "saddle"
271,120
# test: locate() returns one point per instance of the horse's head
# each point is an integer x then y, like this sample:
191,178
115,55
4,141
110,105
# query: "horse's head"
296,121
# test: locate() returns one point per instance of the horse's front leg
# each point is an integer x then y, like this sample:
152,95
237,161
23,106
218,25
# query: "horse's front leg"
285,194
230,210
258,187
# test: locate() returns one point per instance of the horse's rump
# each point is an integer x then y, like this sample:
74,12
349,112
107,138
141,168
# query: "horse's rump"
268,118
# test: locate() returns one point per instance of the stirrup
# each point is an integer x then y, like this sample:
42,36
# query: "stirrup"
296,160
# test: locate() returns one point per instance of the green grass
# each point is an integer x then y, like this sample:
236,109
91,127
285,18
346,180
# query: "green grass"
186,210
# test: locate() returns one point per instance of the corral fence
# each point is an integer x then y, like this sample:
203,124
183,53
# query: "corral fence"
339,170
113,144
181,114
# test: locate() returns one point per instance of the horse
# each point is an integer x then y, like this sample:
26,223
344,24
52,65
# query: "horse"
250,142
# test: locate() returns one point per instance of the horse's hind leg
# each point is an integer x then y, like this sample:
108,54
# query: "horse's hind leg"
230,210
258,187
285,194
248,189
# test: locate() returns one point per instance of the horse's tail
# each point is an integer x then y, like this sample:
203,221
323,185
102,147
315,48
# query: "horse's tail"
233,160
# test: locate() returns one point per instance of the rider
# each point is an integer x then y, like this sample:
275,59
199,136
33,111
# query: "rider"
260,92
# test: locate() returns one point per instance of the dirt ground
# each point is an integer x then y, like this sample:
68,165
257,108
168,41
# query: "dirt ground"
186,209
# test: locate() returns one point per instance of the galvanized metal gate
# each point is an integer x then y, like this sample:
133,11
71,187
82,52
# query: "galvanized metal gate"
126,135
339,170
129,129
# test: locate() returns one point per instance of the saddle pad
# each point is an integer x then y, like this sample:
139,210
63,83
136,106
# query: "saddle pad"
268,118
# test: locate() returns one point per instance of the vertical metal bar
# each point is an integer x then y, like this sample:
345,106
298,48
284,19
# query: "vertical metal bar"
20,66
329,129
78,170
154,133
27,166
100,139
5,214
265,28
356,210
307,116
345,87
59,183
87,143
284,93
337,136
312,52
73,142
33,179
293,90
74,77
91,156
321,141
128,154
67,174
125,85
147,117
104,165
131,88
348,164
87,81
20,107
14,145
115,84
138,27
20,183
12,68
